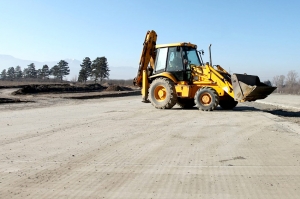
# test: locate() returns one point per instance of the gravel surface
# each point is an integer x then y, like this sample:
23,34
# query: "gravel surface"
284,106
123,148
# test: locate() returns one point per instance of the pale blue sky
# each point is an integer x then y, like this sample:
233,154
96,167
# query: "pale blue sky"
257,37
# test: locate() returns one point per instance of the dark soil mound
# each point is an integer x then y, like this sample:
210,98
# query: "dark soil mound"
7,100
117,88
58,88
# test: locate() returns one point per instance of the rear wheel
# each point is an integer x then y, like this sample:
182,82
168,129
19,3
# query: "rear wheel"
206,99
185,103
162,93
228,104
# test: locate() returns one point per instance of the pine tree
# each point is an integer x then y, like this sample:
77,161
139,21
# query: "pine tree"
85,70
268,82
18,72
25,73
39,74
100,69
45,72
3,74
55,72
11,73
63,69
81,76
31,71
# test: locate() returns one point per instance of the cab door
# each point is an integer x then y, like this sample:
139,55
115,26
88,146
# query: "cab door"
175,63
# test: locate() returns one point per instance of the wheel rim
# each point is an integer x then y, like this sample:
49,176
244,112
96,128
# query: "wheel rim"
160,93
205,99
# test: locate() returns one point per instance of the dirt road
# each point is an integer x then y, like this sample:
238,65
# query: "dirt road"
122,148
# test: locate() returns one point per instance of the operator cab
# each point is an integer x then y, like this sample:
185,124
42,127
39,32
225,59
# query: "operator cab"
177,60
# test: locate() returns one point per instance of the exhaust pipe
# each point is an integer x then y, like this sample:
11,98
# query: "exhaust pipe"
210,60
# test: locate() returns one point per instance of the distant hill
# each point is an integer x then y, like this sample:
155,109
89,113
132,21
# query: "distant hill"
7,61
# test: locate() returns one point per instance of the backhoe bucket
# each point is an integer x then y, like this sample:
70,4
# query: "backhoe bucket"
249,88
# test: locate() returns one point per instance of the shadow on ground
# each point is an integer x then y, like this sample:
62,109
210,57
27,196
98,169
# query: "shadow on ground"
236,109
256,107
284,113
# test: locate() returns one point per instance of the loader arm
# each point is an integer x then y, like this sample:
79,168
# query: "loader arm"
148,55
213,75
221,80
240,87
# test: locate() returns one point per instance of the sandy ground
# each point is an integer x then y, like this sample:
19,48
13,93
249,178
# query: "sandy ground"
122,148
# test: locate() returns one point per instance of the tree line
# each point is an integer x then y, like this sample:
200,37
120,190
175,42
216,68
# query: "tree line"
94,70
289,84
58,71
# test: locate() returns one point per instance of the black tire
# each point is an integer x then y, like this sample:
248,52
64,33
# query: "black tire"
185,103
162,94
228,104
206,99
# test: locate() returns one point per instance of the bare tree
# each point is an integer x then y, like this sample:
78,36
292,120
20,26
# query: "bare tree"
291,78
278,81
291,82
74,78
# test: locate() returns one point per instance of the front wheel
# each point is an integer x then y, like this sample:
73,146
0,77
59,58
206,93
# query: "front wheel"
162,93
206,99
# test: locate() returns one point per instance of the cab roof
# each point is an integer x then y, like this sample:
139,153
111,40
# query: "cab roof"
176,44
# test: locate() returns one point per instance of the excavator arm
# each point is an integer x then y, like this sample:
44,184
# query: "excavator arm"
148,55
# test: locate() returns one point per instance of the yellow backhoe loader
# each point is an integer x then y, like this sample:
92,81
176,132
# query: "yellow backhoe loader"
177,74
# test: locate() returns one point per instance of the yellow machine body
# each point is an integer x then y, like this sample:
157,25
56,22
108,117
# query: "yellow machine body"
215,79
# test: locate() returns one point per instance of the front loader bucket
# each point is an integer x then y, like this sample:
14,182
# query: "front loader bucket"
249,88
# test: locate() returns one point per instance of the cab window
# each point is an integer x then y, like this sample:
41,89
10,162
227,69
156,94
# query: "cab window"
161,59
174,62
192,56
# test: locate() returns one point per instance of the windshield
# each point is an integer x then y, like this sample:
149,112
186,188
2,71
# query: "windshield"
191,55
